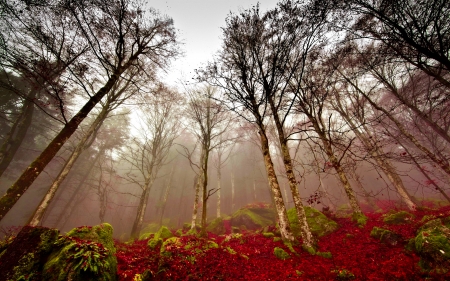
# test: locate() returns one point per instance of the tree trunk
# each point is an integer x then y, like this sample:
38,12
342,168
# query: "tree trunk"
16,191
166,195
369,198
337,167
283,222
81,188
143,201
17,133
196,199
39,213
442,164
233,203
307,237
219,177
205,191
384,164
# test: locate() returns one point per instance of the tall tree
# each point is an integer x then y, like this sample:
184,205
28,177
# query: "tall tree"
148,152
237,71
38,46
120,35
118,94
210,122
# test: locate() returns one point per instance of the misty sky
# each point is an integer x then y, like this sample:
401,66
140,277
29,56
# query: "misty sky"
199,22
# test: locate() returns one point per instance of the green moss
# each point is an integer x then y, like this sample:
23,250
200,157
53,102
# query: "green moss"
86,253
252,218
229,250
210,245
162,234
147,231
280,253
234,236
427,218
360,219
289,246
268,234
310,250
385,236
318,223
343,274
179,232
192,232
326,255
154,243
216,226
398,218
168,245
432,244
277,239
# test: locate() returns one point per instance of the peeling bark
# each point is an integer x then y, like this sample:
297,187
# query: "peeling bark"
283,222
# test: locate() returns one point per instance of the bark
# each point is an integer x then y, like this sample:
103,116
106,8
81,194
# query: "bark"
196,203
306,234
17,133
22,184
166,195
81,187
40,211
197,192
370,199
283,222
205,191
337,167
142,207
219,177
233,203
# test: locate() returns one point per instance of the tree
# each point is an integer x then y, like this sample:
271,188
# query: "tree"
312,89
355,112
237,72
118,94
148,152
120,36
38,47
414,31
210,122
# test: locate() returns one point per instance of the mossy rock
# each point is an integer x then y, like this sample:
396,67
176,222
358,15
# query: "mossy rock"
147,231
398,218
432,244
318,223
162,234
166,247
26,254
360,219
253,218
216,226
344,211
385,236
280,253
85,253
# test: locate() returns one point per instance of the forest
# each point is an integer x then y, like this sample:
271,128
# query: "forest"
315,144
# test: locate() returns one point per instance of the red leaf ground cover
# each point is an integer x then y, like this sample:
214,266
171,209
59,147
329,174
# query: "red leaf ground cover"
352,250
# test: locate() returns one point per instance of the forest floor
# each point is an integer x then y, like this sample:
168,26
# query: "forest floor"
355,256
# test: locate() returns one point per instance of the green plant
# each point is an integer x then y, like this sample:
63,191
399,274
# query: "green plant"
84,255
343,274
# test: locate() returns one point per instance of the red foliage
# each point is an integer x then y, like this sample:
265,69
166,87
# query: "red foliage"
352,248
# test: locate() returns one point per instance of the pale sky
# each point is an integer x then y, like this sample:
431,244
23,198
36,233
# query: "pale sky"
199,23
